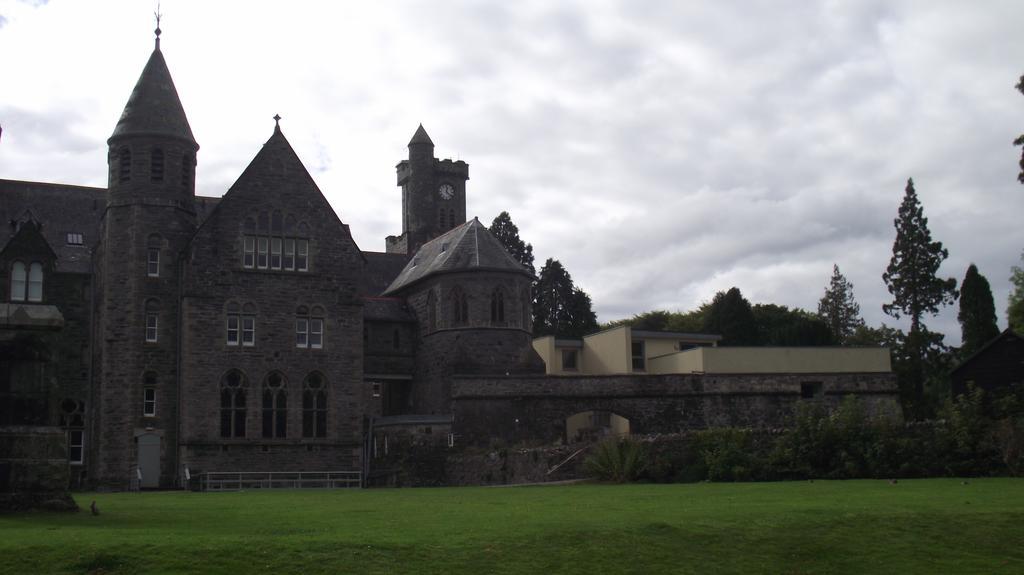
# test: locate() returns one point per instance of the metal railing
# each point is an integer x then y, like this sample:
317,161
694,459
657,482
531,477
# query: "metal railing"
235,481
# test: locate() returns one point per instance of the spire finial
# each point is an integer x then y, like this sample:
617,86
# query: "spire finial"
157,14
277,121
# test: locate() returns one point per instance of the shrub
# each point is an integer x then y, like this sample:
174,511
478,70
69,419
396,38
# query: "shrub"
618,459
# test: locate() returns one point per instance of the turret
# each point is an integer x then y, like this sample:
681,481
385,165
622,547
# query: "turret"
152,152
433,195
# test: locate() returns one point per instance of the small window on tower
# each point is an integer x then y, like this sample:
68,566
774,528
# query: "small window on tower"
156,168
74,239
153,263
124,165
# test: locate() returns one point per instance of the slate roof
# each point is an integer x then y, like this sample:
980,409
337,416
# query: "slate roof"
64,209
381,269
469,247
386,309
154,107
61,209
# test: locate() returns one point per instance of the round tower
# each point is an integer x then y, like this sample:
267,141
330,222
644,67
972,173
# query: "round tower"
149,220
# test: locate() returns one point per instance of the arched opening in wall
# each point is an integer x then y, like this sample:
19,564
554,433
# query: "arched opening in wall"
595,425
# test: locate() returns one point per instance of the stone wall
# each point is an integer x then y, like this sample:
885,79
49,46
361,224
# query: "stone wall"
529,410
33,469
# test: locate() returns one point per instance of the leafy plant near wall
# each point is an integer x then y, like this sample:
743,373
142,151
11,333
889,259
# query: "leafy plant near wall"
618,459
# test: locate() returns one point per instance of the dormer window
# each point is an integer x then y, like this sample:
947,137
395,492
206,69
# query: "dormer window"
156,165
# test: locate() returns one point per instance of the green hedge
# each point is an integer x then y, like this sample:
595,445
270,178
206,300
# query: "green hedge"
972,437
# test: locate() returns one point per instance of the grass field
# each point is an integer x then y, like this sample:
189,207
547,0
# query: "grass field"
922,526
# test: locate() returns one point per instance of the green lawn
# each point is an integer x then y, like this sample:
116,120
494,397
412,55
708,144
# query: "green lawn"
922,526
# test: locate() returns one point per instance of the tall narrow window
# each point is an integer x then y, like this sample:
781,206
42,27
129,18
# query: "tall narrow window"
248,325
72,419
275,253
124,163
441,219
451,218
149,395
152,320
396,342
289,254
153,263
233,324
249,252
275,407
497,306
314,406
186,171
19,280
261,262
637,352
232,404
302,327
35,282
152,327
316,328
156,165
302,255
460,307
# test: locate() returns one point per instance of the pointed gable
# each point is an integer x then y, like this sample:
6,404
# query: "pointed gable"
154,107
468,247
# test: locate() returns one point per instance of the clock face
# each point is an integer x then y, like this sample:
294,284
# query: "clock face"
446,191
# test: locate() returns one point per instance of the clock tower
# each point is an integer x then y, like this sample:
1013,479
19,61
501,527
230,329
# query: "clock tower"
433,195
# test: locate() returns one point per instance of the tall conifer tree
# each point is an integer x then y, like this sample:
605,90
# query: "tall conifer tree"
916,290
508,234
977,315
560,308
839,308
1015,305
1020,139
731,316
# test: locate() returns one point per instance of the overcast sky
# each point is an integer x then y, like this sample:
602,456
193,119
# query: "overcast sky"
662,151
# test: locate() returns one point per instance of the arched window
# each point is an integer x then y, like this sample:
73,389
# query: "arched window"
497,306
124,165
431,310
275,407
314,406
72,419
232,404
152,320
460,307
19,280
156,165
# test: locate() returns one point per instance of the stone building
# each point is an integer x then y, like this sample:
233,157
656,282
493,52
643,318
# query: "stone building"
169,334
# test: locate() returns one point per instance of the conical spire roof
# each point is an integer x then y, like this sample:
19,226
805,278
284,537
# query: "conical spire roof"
420,137
154,107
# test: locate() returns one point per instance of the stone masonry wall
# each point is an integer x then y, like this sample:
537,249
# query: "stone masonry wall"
532,410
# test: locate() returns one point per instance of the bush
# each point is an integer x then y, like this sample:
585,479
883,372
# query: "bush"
618,459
